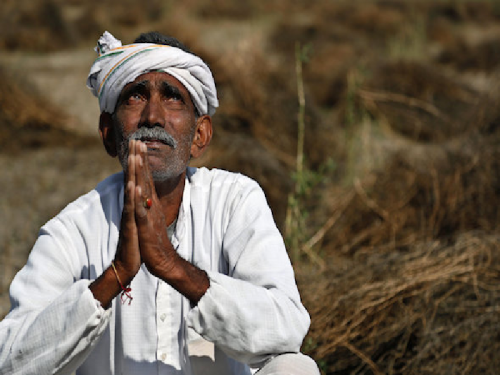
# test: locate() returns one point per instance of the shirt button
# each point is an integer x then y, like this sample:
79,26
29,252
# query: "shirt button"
163,356
162,317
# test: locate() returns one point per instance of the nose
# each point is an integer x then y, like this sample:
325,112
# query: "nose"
153,114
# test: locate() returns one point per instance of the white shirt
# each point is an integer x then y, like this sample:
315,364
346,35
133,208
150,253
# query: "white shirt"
251,311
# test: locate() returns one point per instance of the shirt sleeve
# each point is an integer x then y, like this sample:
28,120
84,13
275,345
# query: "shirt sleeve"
54,320
254,312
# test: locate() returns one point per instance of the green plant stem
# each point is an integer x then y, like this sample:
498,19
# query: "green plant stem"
293,224
300,117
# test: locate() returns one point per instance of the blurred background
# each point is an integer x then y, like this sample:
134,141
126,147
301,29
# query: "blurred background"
373,127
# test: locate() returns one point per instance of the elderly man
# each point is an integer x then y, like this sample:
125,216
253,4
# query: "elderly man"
203,280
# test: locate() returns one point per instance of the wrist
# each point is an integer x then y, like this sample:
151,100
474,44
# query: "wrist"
125,289
105,288
122,273
186,278
165,267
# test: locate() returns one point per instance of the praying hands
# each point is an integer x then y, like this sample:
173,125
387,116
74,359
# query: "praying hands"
143,239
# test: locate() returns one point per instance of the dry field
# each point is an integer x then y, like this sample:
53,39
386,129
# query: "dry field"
392,224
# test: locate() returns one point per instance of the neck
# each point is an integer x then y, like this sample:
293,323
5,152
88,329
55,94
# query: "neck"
170,193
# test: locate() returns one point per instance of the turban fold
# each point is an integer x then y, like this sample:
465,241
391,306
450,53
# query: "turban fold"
118,65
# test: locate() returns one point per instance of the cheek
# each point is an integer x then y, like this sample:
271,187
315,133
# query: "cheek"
129,115
185,142
127,122
182,119
183,126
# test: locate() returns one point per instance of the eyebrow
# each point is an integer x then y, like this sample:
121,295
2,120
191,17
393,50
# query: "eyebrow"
171,91
134,87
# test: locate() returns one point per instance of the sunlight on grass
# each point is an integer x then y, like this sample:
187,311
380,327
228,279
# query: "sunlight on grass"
411,43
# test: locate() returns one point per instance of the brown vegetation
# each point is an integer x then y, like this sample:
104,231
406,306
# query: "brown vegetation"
401,99
29,121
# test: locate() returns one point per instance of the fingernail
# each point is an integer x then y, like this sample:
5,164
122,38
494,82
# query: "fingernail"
144,147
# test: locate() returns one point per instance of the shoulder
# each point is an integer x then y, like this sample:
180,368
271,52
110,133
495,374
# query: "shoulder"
83,226
104,197
218,178
223,189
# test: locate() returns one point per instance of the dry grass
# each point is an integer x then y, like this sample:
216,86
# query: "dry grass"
410,285
418,100
431,308
28,120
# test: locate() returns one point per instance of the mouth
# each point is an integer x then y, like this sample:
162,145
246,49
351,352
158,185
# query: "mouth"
153,143
154,138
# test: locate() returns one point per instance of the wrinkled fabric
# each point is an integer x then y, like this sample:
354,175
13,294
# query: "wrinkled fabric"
118,65
250,313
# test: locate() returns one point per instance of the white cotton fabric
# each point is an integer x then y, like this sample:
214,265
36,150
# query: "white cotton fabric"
290,364
118,65
250,313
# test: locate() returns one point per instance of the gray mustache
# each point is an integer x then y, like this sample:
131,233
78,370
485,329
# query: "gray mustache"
155,133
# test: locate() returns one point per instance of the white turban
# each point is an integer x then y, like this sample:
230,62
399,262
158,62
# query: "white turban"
118,65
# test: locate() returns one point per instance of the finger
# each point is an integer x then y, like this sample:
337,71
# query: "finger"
131,162
141,211
129,201
127,253
128,216
143,176
128,227
139,172
146,173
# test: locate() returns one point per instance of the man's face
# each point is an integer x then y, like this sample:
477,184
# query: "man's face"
157,109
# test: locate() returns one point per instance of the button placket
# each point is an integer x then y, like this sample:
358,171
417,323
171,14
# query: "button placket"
163,325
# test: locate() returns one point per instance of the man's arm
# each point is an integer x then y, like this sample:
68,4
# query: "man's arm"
127,257
254,312
54,321
53,318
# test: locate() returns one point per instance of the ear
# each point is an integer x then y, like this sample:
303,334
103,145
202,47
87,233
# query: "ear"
202,136
107,133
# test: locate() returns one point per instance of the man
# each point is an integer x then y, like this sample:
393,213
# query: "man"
203,281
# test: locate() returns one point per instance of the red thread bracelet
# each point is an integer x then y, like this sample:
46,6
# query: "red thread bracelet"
125,291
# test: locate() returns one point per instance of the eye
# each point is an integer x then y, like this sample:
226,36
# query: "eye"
133,98
174,97
171,94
